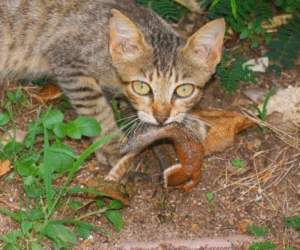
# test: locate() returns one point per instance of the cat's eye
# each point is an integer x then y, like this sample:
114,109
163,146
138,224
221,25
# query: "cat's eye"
184,90
141,87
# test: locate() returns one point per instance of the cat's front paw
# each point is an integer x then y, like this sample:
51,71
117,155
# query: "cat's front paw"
109,153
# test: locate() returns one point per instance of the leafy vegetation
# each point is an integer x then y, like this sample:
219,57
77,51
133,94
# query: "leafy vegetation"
39,166
210,198
233,70
266,245
238,163
285,47
167,9
293,222
264,111
257,231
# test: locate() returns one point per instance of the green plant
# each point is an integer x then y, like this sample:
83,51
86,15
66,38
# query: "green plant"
257,231
233,72
264,111
167,9
288,248
38,169
238,163
15,98
285,47
238,14
210,198
293,222
233,6
266,245
289,5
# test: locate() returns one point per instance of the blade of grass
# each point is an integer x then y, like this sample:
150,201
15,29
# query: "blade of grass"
76,166
47,170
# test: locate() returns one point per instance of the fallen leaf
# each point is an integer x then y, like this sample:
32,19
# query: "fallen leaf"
242,227
225,124
49,92
5,166
266,176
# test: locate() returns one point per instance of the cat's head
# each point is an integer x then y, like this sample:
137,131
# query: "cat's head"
163,77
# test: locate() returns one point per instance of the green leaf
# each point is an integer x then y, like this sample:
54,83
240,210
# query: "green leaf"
279,2
257,231
18,94
238,163
4,118
115,204
61,157
83,229
75,205
245,34
234,8
26,164
11,149
267,245
115,218
11,96
214,3
36,246
99,202
73,130
51,118
32,188
58,231
15,216
12,236
60,130
210,196
35,215
293,222
88,125
26,226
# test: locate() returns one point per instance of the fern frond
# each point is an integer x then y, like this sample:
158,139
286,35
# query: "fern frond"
262,11
167,9
285,49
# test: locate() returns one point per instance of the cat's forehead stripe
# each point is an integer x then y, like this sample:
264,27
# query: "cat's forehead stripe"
165,46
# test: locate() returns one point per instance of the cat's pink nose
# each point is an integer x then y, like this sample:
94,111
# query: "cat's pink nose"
161,119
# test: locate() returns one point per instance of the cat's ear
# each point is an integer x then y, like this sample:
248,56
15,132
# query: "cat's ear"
206,45
126,41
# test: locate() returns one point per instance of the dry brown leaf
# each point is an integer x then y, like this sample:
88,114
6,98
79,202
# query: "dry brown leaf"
242,227
225,124
49,92
266,176
5,166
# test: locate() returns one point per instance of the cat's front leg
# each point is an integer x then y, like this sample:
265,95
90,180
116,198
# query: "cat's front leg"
87,98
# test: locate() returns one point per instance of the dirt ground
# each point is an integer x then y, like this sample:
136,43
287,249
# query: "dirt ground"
265,194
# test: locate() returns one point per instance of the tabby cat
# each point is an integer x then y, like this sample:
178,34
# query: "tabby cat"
89,44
